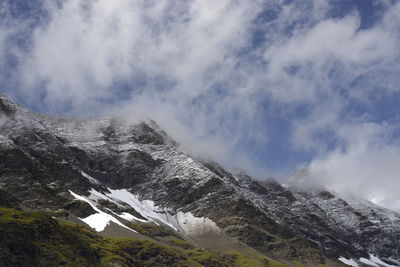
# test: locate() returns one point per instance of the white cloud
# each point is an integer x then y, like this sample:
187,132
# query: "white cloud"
333,39
85,48
191,66
3,36
309,134
170,53
367,169
301,64
5,48
82,50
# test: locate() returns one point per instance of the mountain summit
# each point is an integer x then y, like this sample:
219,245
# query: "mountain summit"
132,180
7,107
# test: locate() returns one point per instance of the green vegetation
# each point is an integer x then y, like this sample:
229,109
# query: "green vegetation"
150,229
206,258
145,253
253,260
36,239
177,242
273,263
299,264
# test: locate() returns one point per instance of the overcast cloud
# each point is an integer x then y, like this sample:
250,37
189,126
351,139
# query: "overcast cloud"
267,86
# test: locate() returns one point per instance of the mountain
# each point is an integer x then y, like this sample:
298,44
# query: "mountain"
80,185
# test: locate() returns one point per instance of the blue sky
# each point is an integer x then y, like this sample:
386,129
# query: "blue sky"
266,86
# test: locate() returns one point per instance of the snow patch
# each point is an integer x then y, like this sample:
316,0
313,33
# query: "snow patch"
195,226
130,217
95,195
349,262
146,207
372,261
379,261
99,220
90,178
183,222
368,262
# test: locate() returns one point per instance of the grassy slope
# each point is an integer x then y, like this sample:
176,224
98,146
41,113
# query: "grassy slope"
36,239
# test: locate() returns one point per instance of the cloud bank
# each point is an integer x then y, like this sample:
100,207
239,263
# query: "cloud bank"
267,86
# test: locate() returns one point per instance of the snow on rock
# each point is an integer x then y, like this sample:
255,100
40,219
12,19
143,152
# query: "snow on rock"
368,262
95,195
183,222
145,207
194,226
375,259
99,220
372,261
348,262
130,217
90,178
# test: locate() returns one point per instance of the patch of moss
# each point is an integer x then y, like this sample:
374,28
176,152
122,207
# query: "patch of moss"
206,258
150,229
150,253
177,242
241,260
299,264
274,263
35,238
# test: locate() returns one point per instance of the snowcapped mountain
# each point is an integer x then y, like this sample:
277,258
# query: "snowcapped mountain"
117,178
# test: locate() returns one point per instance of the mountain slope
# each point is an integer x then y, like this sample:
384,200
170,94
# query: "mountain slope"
113,175
37,239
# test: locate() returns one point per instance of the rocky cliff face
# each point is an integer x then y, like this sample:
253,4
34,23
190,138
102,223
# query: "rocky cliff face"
109,171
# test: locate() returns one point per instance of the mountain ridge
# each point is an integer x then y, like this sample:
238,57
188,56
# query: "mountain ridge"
78,168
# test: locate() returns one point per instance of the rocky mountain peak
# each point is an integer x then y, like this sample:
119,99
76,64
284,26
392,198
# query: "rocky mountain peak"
7,107
303,180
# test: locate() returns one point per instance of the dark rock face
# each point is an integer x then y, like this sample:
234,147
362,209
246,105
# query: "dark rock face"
8,201
7,107
79,208
43,157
